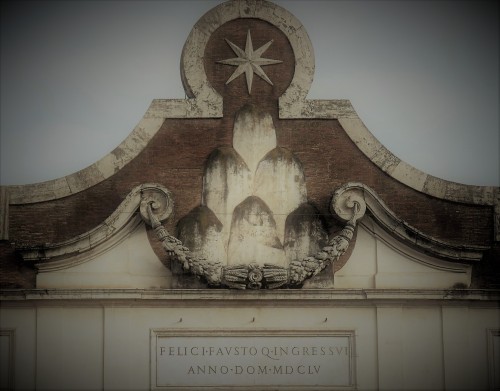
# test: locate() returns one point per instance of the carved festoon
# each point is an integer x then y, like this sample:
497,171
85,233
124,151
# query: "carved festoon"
254,275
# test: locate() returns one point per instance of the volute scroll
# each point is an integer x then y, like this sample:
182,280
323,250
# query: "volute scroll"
348,202
159,200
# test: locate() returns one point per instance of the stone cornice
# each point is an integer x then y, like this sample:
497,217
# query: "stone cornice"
113,230
412,177
368,199
214,297
92,175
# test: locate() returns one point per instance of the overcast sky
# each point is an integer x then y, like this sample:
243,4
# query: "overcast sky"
77,76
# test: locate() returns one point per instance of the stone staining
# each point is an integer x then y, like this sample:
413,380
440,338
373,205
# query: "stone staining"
253,136
249,191
226,182
249,62
200,231
254,238
280,180
304,233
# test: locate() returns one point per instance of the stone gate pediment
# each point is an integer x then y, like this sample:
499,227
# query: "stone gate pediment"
269,188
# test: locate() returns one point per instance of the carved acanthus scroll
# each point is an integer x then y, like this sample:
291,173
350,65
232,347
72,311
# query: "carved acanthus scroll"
253,275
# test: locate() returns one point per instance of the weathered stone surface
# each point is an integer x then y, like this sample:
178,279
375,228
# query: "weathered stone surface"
385,160
254,238
226,183
363,197
409,175
254,135
359,134
201,232
90,176
280,181
305,233
128,263
374,264
107,234
254,177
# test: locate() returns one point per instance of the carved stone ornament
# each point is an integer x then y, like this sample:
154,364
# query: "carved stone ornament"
254,275
349,204
249,62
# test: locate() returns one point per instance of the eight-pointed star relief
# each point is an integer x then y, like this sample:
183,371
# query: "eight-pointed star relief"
249,61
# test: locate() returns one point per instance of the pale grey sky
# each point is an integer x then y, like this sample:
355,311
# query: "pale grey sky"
77,76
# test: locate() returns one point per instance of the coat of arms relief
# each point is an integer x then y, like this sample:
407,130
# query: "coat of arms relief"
255,228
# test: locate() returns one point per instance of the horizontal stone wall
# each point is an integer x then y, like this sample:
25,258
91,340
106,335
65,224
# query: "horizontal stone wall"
104,340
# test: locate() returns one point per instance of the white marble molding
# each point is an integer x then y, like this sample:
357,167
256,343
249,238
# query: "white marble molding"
112,231
367,199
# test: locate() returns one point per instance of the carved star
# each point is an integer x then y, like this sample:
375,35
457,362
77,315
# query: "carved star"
249,61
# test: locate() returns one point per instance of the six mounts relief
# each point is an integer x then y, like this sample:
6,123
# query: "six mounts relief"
254,204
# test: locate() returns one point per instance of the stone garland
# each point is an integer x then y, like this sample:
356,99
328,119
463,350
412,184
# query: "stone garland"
253,275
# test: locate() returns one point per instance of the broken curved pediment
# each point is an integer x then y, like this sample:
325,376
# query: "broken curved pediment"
125,255
115,254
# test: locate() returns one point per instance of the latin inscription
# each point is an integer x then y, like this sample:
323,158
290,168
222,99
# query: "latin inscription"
264,360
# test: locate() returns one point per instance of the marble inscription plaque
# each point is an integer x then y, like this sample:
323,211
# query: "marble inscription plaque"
249,359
